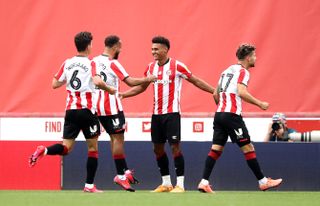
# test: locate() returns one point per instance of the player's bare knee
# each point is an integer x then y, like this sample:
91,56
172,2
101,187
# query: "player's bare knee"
247,148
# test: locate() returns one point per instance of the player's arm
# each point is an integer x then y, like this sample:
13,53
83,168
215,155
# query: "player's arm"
102,85
201,84
246,96
216,96
132,81
134,90
56,84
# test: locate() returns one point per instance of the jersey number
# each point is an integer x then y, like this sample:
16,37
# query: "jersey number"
75,81
104,76
224,85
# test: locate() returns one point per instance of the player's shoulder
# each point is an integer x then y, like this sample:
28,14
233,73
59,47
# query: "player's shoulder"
235,68
100,58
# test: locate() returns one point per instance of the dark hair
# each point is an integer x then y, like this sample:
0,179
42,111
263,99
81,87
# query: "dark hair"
161,40
111,40
244,50
82,40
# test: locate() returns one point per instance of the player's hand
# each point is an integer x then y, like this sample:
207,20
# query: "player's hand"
264,105
120,95
111,90
152,78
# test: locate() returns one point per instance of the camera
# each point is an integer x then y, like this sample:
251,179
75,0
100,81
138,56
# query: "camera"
276,126
311,136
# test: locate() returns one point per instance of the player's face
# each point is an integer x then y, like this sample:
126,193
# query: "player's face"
159,51
252,59
118,47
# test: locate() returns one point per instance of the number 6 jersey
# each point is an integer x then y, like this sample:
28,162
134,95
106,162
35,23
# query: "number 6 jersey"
229,99
78,72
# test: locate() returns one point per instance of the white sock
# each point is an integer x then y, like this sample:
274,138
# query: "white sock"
45,151
180,181
263,181
166,180
90,186
204,182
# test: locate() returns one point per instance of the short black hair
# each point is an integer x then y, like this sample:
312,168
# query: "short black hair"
82,40
111,40
161,40
244,50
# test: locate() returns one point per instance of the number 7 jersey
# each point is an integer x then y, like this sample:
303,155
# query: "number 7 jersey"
229,99
78,72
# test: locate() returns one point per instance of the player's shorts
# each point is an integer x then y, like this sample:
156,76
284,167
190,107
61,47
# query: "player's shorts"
165,127
113,124
76,120
229,124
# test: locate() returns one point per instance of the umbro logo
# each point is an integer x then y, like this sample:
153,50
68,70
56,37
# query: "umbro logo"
116,122
93,129
239,133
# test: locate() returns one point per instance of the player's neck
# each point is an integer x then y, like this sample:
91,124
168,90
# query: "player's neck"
244,64
83,54
163,61
107,52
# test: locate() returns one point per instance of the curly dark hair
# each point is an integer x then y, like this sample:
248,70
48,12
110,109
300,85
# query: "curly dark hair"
244,50
111,40
161,40
82,40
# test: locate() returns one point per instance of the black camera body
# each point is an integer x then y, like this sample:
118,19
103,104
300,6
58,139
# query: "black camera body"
276,126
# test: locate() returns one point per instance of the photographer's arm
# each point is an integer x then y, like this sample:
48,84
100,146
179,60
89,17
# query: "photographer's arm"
269,134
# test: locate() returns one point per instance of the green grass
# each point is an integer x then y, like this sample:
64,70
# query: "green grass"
145,198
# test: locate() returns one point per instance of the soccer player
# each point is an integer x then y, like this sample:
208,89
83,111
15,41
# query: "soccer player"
109,108
165,122
80,77
228,121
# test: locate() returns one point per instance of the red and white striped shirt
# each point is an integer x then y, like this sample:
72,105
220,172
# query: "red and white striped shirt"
167,88
230,100
110,71
78,72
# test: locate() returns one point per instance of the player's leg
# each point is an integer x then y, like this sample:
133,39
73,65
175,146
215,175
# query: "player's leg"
173,134
70,132
239,134
163,165
115,127
220,138
91,130
92,165
123,173
250,156
158,139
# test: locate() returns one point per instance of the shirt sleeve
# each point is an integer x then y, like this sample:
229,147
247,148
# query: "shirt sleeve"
244,77
119,70
147,72
93,68
183,70
60,75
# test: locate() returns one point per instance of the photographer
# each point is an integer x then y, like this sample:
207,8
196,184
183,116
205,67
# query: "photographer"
278,130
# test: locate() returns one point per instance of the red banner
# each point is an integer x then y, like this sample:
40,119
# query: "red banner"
37,36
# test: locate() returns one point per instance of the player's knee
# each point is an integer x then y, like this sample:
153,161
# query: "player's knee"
175,148
158,151
66,150
215,154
